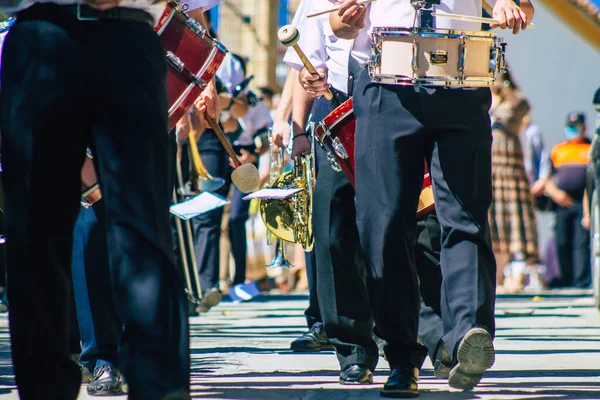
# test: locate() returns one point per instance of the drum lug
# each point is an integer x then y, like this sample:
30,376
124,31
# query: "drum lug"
339,148
195,27
415,55
333,163
461,56
175,61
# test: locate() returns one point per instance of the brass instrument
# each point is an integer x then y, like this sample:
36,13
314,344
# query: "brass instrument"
291,219
186,250
276,168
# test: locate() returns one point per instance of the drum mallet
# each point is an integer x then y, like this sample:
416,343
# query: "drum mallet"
245,177
288,36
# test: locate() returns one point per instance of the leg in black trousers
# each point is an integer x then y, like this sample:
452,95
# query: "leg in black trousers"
207,227
564,244
393,124
427,261
315,339
581,250
48,119
312,312
340,268
238,215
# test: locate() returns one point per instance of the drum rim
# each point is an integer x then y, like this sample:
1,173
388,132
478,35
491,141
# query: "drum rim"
428,32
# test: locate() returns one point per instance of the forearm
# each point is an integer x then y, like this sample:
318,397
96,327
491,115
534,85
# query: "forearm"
301,105
284,109
340,29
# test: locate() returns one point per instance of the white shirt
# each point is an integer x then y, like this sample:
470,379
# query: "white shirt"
258,117
400,13
321,46
156,10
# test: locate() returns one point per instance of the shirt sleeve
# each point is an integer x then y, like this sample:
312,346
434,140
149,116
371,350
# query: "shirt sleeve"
189,5
312,38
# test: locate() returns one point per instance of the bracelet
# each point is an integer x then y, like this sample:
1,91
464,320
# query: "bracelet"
298,135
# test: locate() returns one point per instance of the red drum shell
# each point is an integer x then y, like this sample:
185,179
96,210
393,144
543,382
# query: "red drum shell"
200,55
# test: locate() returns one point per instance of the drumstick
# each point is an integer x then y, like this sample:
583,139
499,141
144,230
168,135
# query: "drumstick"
334,9
469,18
288,36
245,176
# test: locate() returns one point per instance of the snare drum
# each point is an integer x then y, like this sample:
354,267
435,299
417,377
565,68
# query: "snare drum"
335,134
193,58
435,57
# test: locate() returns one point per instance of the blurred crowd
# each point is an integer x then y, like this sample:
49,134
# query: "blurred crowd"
530,178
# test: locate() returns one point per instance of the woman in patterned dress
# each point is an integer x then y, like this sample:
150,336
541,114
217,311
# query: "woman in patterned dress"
512,219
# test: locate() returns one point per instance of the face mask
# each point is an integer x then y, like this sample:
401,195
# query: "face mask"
571,132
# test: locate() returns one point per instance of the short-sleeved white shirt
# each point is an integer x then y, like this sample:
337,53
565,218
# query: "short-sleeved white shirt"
321,46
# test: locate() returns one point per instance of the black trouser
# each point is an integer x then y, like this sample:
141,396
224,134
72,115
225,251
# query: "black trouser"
573,246
427,261
238,215
344,299
320,109
395,125
312,312
207,227
67,84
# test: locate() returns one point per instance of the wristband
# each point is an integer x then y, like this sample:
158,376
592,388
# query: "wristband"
298,135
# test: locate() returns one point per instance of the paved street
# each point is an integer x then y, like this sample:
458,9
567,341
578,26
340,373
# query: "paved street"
240,351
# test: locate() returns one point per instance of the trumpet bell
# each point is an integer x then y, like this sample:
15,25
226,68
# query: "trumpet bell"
278,215
280,259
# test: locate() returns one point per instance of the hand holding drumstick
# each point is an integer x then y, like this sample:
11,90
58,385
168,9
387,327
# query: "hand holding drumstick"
289,36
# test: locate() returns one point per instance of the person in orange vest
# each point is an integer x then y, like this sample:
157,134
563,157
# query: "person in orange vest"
566,188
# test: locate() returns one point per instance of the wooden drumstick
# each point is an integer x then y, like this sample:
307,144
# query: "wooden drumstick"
469,18
288,36
245,176
316,14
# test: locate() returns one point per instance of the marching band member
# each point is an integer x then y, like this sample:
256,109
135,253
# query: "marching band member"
334,222
396,127
63,90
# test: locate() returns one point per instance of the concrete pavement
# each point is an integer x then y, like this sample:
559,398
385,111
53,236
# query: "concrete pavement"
547,347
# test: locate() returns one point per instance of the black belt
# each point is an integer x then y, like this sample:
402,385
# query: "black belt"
75,12
339,96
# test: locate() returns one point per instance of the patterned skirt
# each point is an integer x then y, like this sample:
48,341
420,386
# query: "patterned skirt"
512,219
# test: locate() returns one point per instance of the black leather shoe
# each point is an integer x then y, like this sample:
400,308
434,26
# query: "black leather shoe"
356,374
313,340
402,383
442,362
107,381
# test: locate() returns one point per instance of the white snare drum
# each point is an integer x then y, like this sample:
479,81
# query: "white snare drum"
435,57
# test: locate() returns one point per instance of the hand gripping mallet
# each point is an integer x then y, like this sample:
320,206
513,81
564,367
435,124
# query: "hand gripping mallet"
245,176
288,36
